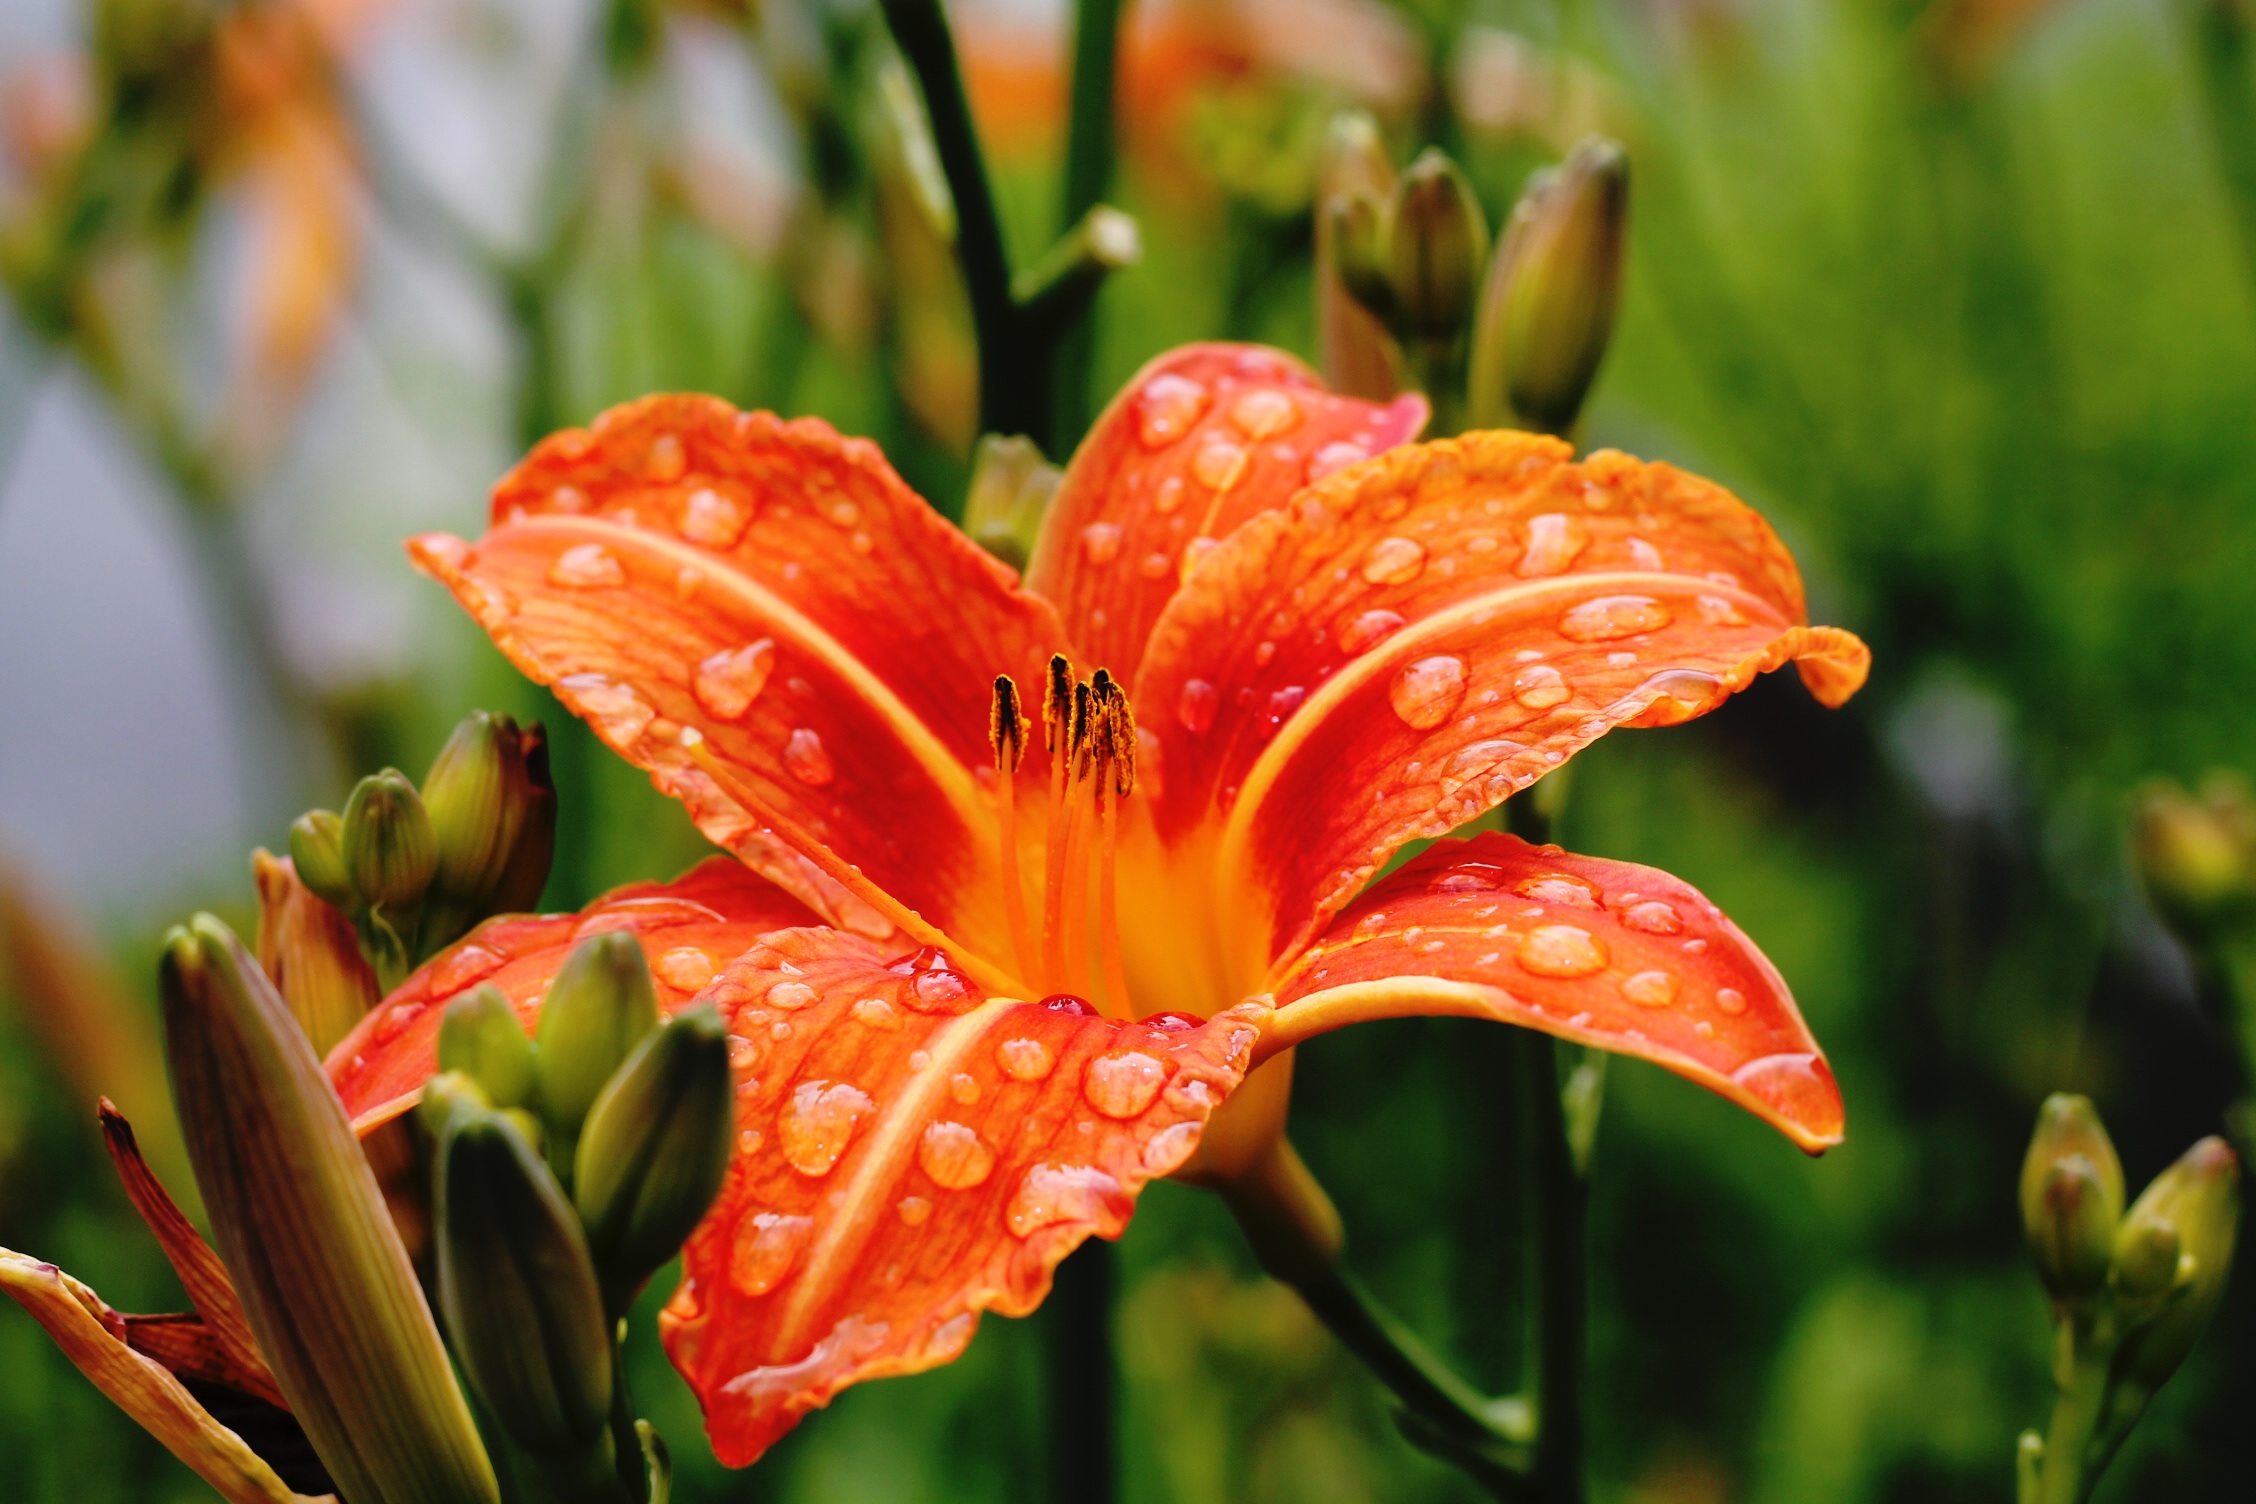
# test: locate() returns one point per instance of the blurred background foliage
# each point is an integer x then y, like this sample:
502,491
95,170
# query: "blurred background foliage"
1960,293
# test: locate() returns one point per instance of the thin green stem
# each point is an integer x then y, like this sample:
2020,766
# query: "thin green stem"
1082,1464
2065,1474
1089,161
1560,1206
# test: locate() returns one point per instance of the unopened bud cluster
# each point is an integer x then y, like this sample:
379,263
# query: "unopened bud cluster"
568,1169
2131,1288
415,869
1509,339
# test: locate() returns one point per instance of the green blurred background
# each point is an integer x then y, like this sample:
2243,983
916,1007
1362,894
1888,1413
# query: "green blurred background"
1962,295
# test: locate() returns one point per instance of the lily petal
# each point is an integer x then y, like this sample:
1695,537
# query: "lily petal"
91,1336
778,589
689,929
1610,954
1437,629
911,1153
1199,440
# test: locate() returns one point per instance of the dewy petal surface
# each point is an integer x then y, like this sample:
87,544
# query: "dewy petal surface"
912,1152
1201,439
689,929
777,588
1415,639
90,1335
1610,954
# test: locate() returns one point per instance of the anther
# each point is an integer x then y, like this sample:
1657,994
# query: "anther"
1006,730
1006,726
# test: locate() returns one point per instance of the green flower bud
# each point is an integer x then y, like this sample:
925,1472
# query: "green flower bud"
2198,1200
448,1096
654,1149
1356,227
2197,857
2071,1197
389,850
519,890
317,850
1011,487
476,795
597,1010
521,1303
2146,1258
1436,247
1547,307
301,1224
1351,342
479,1035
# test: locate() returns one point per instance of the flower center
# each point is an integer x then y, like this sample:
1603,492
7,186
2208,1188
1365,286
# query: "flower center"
1089,732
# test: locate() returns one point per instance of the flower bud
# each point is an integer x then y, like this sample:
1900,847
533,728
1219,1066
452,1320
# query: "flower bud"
2197,1200
1356,225
597,1010
521,1302
1547,307
654,1149
476,796
389,850
1011,487
2197,857
309,952
2071,1196
2146,1258
1436,247
302,1227
519,890
317,851
448,1096
479,1036
1352,343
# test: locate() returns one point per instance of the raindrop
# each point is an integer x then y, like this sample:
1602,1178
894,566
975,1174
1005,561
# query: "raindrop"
750,1140
1219,464
1367,629
964,1087
1561,888
1334,456
913,1210
805,756
1718,612
1645,556
1100,543
1263,652
568,499
1554,541
585,565
1197,706
1053,1193
791,996
686,968
877,1013
767,1246
1428,692
1394,561
713,520
728,682
1123,1084
1195,552
954,1156
1562,950
1731,1000
1281,706
666,459
1155,566
1611,616
1650,989
1676,695
819,1122
1070,1004
1024,1059
1264,413
1541,687
1654,916
1169,496
1166,409
617,712
843,512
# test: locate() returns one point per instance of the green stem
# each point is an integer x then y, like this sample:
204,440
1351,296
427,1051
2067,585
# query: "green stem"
2065,1477
1008,402
1082,1463
1089,162
1560,1203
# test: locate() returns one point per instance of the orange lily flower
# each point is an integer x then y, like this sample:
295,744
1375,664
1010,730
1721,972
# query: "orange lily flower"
1314,642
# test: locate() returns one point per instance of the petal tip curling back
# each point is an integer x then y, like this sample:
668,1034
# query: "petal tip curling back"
910,1154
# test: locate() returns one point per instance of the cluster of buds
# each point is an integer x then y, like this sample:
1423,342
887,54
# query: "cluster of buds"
414,870
1509,338
567,1170
2131,1289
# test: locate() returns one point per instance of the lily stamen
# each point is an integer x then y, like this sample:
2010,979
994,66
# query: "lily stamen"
1073,889
1057,737
1116,780
1006,730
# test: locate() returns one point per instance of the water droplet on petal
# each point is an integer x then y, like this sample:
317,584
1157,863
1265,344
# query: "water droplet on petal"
1718,612
767,1245
1123,1084
819,1122
1195,552
666,459
1676,695
1219,464
1052,1193
1800,1086
1262,413
1169,496
728,682
843,512
1155,566
964,1087
1650,989
585,565
792,996
1367,629
750,1140
1024,1059
1562,950
568,499
1611,616
1541,687
1197,706
1070,1004
1100,543
1561,888
1644,555
807,758
1654,916
877,1013
617,712
1394,561
1428,692
1554,541
954,1156
1731,1000
913,1210
713,520
1166,409
1170,1147
1334,456
1264,652
686,968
